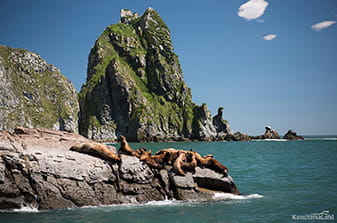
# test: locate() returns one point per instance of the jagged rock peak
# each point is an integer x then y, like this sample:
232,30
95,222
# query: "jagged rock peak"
202,127
127,16
135,84
34,93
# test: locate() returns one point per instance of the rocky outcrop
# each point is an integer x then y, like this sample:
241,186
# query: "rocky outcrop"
34,93
135,86
220,124
237,136
268,134
202,126
38,170
292,135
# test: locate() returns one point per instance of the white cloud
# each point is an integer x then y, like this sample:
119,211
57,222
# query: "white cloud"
252,9
322,25
270,37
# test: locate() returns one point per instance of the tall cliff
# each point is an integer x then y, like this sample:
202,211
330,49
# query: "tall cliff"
135,85
34,93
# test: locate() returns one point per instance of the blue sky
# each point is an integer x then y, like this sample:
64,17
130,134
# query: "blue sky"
289,82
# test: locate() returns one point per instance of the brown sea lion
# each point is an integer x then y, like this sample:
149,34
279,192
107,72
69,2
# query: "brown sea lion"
186,161
156,161
172,154
96,149
210,163
191,162
125,148
208,156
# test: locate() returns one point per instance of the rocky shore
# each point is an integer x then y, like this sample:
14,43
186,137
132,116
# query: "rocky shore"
38,170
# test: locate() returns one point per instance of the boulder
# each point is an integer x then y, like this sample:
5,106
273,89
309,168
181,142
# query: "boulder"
38,170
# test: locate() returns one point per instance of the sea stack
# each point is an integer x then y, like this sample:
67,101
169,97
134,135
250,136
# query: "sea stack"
268,134
135,86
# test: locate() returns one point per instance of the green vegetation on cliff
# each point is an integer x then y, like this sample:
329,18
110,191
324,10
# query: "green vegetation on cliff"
35,94
135,81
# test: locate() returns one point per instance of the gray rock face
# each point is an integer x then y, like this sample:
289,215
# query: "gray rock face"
202,127
38,170
34,93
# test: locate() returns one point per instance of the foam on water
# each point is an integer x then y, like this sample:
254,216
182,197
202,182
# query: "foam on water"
228,196
268,140
161,203
317,139
26,209
134,205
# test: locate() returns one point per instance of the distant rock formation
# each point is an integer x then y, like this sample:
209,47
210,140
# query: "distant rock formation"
292,135
202,126
268,134
219,123
38,170
135,86
34,93
237,136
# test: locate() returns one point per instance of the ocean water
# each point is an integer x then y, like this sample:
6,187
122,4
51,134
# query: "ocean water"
281,181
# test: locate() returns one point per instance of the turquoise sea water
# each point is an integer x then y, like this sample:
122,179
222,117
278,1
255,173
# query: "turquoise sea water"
279,180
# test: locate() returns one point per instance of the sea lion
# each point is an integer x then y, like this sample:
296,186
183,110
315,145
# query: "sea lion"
125,148
155,161
172,154
209,155
177,165
210,163
186,161
96,149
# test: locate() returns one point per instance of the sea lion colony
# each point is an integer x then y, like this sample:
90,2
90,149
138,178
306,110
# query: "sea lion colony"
180,160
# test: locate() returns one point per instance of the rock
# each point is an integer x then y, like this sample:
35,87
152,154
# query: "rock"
34,93
292,135
206,178
268,134
38,170
202,126
135,86
237,136
220,124
127,16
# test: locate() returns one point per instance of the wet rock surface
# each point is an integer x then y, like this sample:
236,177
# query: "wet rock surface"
38,170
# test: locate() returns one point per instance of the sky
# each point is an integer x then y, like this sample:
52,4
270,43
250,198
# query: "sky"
267,62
